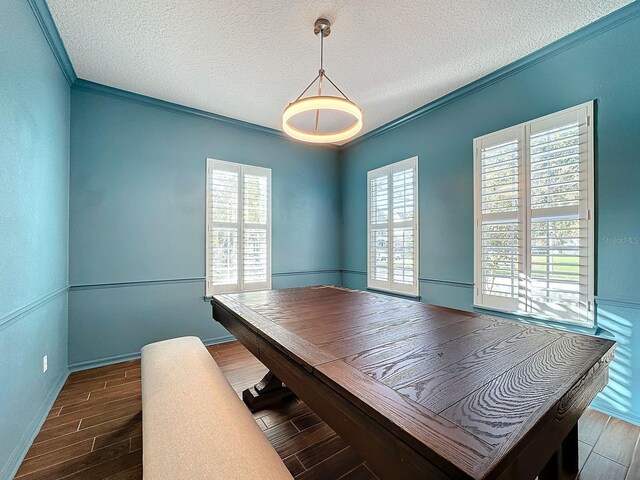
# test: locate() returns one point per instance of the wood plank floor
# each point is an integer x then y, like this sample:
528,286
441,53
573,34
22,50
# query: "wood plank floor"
94,431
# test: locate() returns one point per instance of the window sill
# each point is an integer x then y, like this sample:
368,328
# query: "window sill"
569,326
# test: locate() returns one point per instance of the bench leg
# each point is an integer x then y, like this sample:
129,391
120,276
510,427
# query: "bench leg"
563,465
270,392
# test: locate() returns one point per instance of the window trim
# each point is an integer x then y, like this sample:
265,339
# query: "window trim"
412,290
523,133
241,168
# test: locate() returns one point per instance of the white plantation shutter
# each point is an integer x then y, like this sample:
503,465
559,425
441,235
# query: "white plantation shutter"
543,212
223,227
379,228
561,235
256,229
238,239
393,227
500,215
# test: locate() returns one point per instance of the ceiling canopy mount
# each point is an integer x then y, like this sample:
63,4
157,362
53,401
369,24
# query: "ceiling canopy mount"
323,26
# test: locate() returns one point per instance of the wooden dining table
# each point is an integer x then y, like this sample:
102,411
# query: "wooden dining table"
422,391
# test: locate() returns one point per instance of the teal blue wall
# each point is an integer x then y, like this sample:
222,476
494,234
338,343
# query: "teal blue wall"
34,184
135,200
137,220
605,68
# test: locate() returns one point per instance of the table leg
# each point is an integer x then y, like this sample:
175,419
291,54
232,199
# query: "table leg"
563,465
570,452
269,392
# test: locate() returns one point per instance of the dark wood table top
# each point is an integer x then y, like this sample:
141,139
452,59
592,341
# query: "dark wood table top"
460,388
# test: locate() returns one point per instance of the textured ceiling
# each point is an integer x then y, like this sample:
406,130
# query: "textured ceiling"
248,59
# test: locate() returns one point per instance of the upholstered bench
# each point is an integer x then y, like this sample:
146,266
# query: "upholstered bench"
194,425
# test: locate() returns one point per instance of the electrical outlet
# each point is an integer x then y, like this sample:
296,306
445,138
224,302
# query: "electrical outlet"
44,364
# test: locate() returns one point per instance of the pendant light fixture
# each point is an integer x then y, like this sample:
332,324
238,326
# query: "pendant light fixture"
321,103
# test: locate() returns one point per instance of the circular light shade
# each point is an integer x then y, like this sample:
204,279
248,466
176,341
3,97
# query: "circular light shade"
322,103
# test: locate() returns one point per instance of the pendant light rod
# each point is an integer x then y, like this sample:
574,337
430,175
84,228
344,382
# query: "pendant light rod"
322,28
308,87
320,72
321,54
319,94
335,86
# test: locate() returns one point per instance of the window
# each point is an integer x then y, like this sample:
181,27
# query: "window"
238,240
392,201
534,217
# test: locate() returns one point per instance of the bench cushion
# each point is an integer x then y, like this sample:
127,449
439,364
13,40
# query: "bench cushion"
193,423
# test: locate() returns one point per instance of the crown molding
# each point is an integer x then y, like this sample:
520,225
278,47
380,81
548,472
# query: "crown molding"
93,87
50,31
602,25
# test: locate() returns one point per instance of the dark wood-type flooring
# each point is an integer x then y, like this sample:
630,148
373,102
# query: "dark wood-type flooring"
94,431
